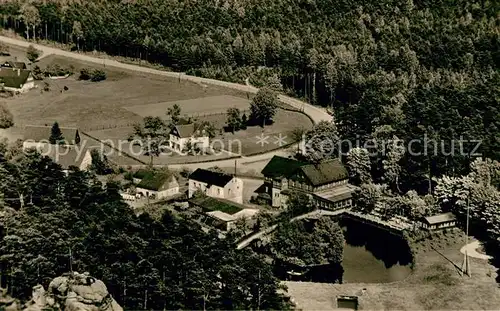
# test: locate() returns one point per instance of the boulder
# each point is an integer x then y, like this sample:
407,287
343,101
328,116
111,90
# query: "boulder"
73,292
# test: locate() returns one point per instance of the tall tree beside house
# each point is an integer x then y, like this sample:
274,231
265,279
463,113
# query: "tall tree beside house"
359,165
6,118
174,113
322,142
151,133
32,53
100,163
56,136
233,119
263,106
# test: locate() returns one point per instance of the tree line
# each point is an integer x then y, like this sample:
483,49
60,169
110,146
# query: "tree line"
55,223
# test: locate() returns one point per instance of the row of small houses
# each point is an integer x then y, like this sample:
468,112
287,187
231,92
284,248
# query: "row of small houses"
326,183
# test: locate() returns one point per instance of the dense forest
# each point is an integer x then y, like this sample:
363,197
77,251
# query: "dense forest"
426,68
76,222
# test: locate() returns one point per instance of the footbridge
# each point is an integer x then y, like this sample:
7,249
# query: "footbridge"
397,225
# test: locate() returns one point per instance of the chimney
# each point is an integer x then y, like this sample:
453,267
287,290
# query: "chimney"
18,72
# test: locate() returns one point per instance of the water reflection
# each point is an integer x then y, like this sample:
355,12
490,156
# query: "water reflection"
371,255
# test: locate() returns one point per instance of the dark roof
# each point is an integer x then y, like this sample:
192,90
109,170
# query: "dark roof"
187,130
14,64
215,204
63,156
440,218
211,178
42,133
11,77
281,167
140,174
156,180
318,174
325,172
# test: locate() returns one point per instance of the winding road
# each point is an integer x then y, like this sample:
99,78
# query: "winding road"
317,114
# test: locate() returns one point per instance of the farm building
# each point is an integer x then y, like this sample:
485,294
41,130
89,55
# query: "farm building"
66,156
158,185
35,136
326,183
216,184
440,221
182,134
220,213
16,79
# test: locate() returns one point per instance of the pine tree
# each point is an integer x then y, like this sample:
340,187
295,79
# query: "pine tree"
56,136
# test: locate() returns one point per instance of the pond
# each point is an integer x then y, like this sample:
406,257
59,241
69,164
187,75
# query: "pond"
371,255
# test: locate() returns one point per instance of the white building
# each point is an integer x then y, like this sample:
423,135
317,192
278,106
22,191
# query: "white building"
158,185
216,185
182,134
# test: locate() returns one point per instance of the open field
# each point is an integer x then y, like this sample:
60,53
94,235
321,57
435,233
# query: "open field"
108,109
193,107
434,284
91,106
240,143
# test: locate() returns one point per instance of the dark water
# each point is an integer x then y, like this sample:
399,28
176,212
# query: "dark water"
371,255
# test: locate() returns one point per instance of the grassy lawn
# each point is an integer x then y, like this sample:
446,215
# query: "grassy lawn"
242,142
92,106
434,284
108,109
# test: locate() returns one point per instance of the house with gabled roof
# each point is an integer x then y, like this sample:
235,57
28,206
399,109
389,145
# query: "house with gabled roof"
439,221
16,79
216,185
36,135
180,135
158,185
67,157
326,182
14,64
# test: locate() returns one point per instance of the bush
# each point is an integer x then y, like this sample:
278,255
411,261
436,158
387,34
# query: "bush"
6,118
98,75
57,71
37,73
46,87
85,74
94,75
32,54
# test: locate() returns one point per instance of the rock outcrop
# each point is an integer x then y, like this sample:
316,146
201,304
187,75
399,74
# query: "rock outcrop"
73,292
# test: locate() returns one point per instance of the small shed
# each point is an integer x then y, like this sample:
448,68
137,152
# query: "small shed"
439,221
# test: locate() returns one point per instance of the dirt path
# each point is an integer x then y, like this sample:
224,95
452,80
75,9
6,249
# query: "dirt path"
471,249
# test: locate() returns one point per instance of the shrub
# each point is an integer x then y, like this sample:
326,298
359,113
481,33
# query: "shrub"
57,71
85,74
46,87
6,118
98,75
37,73
66,88
32,53
94,75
